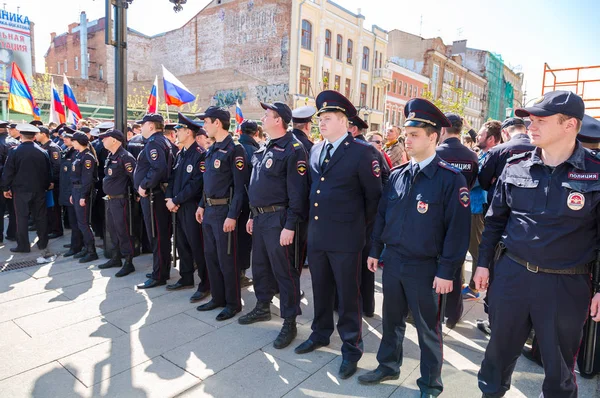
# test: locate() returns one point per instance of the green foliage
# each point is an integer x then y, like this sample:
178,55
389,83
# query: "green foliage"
455,100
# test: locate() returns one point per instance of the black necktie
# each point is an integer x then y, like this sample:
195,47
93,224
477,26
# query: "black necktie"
327,156
416,170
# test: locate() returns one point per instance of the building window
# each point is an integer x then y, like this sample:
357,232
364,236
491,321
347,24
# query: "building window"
76,63
348,88
328,43
377,99
66,66
58,68
405,89
326,80
304,80
365,59
338,82
398,89
394,82
349,52
376,58
306,34
410,93
100,73
363,94
393,120
338,49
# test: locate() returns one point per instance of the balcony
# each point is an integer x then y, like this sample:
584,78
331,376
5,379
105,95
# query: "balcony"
382,77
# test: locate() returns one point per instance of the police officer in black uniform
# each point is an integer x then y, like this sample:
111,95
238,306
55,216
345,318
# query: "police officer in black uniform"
26,177
98,211
6,144
544,217
66,189
226,177
141,240
455,153
183,195
55,227
302,119
278,196
249,130
84,172
344,193
150,178
117,186
423,220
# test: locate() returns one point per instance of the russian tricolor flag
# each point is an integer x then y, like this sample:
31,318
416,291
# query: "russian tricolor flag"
57,110
153,99
239,117
175,92
70,101
20,98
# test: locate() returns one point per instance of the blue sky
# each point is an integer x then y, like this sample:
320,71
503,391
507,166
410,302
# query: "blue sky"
526,33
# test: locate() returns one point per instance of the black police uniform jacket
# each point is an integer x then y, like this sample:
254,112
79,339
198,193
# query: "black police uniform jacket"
6,144
65,186
249,144
461,157
280,177
54,154
27,169
303,138
84,172
185,183
135,145
343,196
427,220
154,163
118,173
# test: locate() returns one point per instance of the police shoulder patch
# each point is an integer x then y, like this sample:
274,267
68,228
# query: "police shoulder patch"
153,154
464,197
448,166
202,167
239,163
55,155
301,167
129,167
376,168
88,164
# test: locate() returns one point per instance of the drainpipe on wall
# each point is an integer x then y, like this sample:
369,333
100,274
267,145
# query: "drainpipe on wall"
299,47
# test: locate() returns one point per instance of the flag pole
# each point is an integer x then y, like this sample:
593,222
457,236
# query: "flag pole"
168,117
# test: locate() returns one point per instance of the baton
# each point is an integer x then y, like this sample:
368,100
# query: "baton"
174,249
297,248
443,308
592,326
151,195
230,233
130,216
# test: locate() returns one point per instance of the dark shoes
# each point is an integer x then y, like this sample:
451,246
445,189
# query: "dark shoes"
260,313
426,395
227,313
199,296
451,324
287,334
19,250
377,376
149,276
67,246
81,254
71,252
308,346
245,281
179,286
484,326
347,369
150,283
91,255
211,305
527,353
127,268
115,261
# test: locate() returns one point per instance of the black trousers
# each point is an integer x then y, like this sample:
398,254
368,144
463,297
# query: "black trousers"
341,272
161,243
223,268
367,282
83,218
273,268
190,247
98,212
244,239
406,287
55,225
76,235
557,308
454,301
34,203
117,223
7,204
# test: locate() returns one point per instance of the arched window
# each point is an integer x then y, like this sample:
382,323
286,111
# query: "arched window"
328,43
338,50
306,35
365,61
349,52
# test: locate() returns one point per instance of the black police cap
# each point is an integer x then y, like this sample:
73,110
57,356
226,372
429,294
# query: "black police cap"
151,117
590,130
215,112
513,121
36,123
187,122
81,138
114,133
358,122
420,113
282,110
332,101
553,102
249,125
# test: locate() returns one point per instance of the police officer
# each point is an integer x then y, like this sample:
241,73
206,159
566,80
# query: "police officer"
249,130
26,177
544,216
66,189
151,175
98,211
84,172
423,220
55,227
278,196
118,181
225,180
6,144
183,194
345,190
455,153
302,123
141,240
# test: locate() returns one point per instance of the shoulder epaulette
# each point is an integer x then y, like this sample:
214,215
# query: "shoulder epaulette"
400,166
519,156
448,166
361,142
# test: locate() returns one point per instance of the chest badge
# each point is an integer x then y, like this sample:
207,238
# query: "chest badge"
217,163
576,201
422,207
269,163
189,168
109,172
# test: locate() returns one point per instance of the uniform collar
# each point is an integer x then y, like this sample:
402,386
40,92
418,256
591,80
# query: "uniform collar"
247,139
577,158
224,143
281,142
451,141
423,165
520,136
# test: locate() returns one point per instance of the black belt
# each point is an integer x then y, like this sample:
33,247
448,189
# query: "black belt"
216,201
267,209
578,270
110,197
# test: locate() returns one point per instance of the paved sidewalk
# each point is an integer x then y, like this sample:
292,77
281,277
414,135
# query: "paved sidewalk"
72,330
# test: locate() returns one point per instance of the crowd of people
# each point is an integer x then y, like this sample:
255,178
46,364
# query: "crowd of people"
522,196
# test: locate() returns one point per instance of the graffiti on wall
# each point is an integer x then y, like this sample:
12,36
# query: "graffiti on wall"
273,92
227,98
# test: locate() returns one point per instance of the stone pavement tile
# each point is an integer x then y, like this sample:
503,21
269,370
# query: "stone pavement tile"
12,334
79,275
54,345
32,304
151,310
105,360
259,374
101,286
57,318
16,285
215,351
60,266
157,378
50,380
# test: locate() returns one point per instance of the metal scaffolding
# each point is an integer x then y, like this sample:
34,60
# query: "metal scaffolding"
582,80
